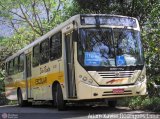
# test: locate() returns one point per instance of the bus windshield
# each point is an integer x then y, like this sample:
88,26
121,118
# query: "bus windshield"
108,47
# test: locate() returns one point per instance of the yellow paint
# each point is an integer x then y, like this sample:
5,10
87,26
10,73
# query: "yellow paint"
44,80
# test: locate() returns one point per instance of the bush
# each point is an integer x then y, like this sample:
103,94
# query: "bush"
135,102
152,104
147,103
124,101
3,100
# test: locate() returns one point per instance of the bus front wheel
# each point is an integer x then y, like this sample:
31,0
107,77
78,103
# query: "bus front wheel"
21,102
59,98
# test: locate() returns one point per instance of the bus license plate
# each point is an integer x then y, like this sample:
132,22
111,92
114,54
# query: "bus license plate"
118,91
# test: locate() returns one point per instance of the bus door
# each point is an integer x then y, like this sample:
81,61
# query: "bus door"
28,74
70,71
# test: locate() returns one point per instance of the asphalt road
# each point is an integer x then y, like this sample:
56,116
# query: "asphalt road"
74,112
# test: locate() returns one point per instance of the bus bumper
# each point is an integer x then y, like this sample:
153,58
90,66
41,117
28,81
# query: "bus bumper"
100,92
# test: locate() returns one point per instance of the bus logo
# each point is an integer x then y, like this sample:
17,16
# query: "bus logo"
117,74
4,116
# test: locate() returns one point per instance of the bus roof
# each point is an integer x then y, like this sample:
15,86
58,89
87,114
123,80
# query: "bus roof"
56,29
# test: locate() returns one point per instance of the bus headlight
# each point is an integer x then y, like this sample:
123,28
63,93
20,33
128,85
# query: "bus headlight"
88,80
142,76
84,78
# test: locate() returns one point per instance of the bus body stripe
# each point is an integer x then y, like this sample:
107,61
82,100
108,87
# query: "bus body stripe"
44,80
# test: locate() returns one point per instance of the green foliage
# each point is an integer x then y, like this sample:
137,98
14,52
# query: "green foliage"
140,9
135,102
38,16
1,82
151,43
30,20
3,99
124,101
145,103
152,104
14,43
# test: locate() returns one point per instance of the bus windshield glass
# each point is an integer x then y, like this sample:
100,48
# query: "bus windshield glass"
109,47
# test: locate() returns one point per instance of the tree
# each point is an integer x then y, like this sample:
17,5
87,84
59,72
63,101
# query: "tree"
140,9
151,43
30,19
37,15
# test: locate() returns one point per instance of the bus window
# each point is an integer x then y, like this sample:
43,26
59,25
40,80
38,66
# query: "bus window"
21,63
55,46
36,55
16,63
11,67
6,68
44,49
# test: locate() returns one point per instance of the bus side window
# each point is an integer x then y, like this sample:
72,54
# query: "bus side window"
6,68
44,50
55,46
21,63
36,54
11,67
16,65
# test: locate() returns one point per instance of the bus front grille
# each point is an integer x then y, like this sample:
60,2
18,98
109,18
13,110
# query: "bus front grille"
116,74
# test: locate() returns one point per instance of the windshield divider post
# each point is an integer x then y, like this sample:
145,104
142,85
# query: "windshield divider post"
115,53
97,21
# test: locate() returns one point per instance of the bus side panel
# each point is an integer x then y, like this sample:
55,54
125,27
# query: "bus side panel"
10,88
43,77
21,84
35,89
12,83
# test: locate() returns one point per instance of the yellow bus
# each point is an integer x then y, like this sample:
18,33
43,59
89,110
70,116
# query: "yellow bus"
88,57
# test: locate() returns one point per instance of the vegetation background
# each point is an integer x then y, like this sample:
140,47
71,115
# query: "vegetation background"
30,19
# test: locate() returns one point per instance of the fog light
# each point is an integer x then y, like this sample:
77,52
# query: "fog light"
141,79
138,92
95,94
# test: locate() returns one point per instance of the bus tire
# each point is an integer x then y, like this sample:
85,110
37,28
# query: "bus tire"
54,102
21,102
112,103
61,104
